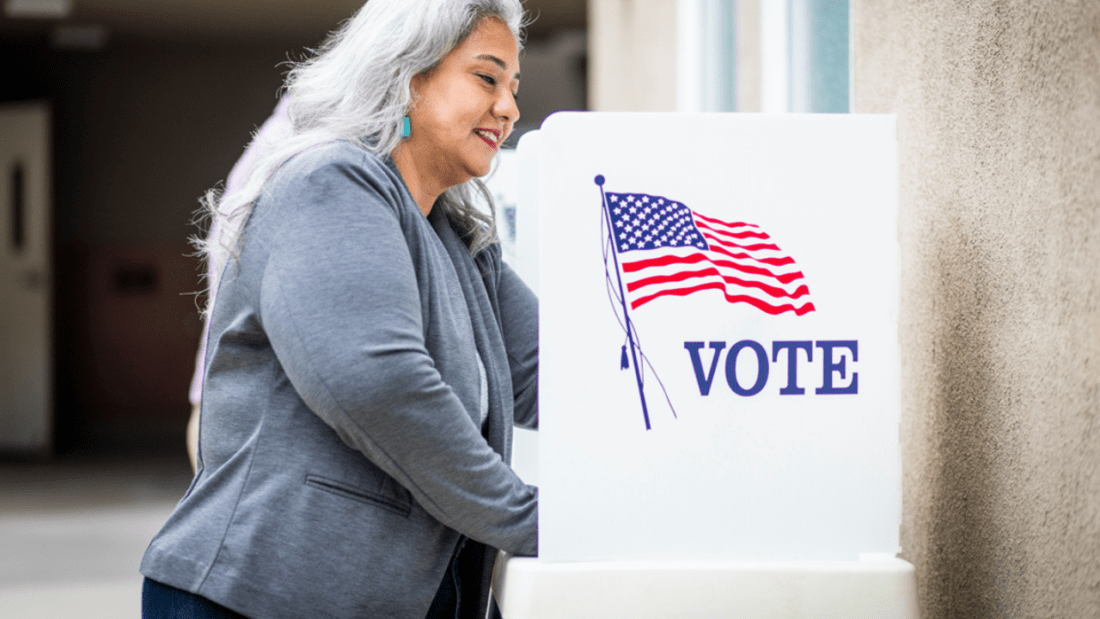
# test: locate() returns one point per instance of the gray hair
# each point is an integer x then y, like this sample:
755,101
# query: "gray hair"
356,87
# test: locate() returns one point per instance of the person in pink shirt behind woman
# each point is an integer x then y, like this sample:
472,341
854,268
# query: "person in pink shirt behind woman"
276,127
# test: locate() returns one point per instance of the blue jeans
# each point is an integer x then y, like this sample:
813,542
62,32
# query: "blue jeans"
460,591
460,582
160,601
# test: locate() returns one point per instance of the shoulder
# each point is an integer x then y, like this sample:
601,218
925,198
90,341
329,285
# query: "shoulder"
490,258
337,173
490,263
336,158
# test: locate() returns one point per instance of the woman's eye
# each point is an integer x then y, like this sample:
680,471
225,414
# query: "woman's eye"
489,79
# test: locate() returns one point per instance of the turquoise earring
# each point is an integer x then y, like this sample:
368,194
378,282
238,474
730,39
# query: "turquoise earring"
406,128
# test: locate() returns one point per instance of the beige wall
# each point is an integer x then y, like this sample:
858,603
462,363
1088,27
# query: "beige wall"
633,64
632,55
999,128
749,58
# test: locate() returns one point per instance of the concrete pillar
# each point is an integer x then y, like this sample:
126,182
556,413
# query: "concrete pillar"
748,55
632,55
998,103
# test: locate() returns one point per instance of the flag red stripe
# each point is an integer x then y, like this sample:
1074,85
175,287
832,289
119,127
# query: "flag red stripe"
735,224
775,262
710,271
748,234
785,278
638,265
715,236
757,303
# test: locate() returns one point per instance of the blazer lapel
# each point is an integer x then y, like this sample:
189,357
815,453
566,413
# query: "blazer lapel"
487,335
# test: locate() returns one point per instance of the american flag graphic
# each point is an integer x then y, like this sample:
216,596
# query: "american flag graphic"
667,249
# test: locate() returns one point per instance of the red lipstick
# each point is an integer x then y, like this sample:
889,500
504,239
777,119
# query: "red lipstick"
492,143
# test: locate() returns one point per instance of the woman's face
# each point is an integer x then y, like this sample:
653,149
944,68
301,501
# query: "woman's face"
465,107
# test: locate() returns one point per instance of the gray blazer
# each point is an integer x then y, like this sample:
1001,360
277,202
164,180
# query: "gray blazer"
339,454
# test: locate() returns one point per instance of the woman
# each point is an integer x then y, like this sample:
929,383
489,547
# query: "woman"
368,350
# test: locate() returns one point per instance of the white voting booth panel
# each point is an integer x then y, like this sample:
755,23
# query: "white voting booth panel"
790,450
718,365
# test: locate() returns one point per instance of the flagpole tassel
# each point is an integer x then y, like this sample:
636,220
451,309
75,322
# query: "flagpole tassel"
622,298
625,362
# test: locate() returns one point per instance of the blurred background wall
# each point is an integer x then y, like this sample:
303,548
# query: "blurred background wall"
140,127
152,102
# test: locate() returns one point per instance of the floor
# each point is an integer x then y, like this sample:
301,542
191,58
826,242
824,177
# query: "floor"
73,530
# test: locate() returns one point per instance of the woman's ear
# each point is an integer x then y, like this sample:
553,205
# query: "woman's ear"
416,82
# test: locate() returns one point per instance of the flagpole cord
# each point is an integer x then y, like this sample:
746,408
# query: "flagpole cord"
622,294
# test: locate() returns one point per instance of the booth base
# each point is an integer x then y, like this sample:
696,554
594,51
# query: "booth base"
879,588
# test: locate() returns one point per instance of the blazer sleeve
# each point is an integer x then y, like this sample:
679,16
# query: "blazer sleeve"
341,305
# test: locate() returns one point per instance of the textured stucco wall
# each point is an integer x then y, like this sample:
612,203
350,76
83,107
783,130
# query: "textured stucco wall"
998,105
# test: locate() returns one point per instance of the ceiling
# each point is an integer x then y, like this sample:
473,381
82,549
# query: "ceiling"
249,19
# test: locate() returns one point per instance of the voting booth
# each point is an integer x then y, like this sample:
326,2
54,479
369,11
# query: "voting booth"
719,367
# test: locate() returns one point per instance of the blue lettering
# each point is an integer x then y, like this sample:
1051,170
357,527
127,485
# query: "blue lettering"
697,364
829,365
792,349
762,368
834,363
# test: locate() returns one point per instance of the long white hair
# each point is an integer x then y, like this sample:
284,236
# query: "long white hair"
357,87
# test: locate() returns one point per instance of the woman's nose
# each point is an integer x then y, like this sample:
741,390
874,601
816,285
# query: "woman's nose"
506,106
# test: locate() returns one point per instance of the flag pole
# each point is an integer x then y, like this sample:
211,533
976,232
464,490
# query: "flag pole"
622,295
